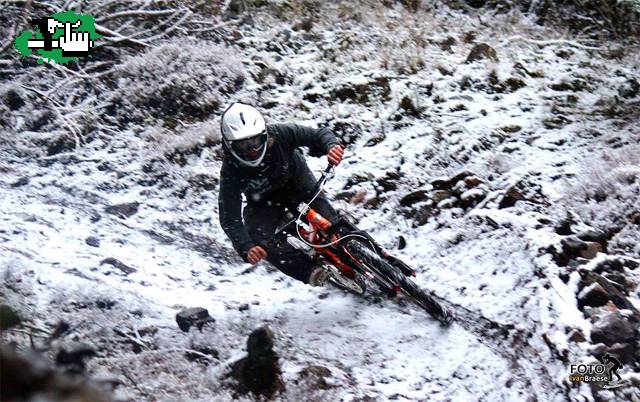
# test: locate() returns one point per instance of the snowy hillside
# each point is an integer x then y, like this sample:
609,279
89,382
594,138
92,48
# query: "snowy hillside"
498,156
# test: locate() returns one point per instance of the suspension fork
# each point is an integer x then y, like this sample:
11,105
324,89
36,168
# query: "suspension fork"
321,224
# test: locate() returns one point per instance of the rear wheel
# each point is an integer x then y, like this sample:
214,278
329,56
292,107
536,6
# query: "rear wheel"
393,277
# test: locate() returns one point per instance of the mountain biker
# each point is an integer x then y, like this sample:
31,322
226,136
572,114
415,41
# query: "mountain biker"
264,163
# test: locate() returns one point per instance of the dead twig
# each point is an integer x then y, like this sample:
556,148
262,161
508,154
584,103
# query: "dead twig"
136,13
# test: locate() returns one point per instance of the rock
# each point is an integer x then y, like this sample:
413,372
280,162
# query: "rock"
204,181
591,250
408,106
609,265
593,235
510,197
414,197
358,197
123,210
260,371
60,144
526,189
424,213
447,44
460,176
189,317
593,295
476,3
375,140
23,181
441,183
575,85
621,280
357,179
439,195
512,84
614,290
92,241
448,203
8,317
630,89
511,129
346,130
565,226
472,181
315,376
365,93
118,264
243,307
372,203
555,122
402,242
105,304
577,336
60,329
612,328
389,181
305,25
573,247
471,198
71,357
482,51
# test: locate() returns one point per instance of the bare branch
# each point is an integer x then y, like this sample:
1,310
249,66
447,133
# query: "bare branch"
120,38
136,13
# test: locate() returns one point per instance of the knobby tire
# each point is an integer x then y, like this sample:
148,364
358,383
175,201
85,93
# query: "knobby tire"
393,275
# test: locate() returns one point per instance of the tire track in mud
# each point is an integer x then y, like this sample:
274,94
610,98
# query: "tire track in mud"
511,344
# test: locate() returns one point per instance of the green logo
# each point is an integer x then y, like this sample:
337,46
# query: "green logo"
59,38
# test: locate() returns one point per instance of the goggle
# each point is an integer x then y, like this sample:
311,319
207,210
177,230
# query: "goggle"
249,144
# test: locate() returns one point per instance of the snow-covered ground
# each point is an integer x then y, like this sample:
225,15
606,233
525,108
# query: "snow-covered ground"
542,124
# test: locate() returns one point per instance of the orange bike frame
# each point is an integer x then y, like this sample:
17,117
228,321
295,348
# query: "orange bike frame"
321,224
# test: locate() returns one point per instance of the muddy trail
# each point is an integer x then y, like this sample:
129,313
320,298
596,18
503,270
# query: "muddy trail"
512,344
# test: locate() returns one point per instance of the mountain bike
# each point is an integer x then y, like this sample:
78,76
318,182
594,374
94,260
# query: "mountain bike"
352,259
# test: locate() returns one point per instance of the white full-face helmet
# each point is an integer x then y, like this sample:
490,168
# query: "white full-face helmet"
244,133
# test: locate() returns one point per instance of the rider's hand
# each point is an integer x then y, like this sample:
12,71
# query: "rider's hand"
335,155
255,254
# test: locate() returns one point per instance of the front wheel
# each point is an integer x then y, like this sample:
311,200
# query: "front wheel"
392,276
427,302
356,286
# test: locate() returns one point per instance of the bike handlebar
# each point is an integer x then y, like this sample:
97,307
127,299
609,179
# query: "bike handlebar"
326,175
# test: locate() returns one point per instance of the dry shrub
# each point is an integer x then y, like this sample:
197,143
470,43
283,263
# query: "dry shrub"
184,80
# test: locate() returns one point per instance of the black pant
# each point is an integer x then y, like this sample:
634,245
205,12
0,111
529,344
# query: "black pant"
262,218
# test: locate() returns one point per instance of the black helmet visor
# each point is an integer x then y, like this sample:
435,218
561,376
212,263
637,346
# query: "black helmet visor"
248,147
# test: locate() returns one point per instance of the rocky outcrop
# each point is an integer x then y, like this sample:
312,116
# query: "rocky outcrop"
613,328
463,190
